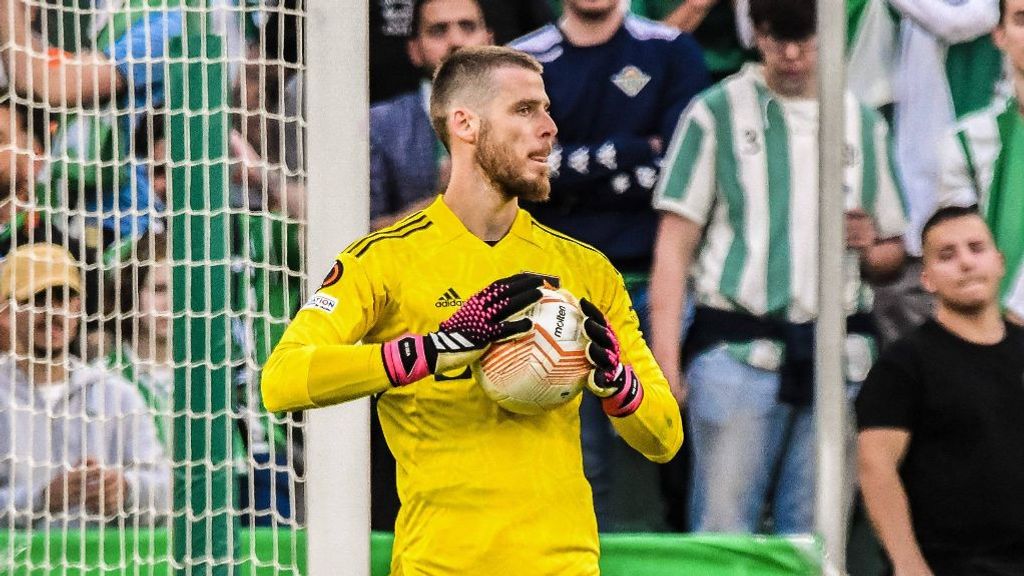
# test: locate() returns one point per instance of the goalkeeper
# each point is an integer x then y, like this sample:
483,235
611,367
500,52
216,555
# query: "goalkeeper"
483,490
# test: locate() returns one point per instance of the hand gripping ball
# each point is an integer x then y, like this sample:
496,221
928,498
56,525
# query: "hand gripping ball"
544,368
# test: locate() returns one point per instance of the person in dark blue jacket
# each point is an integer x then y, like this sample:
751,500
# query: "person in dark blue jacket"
618,84
408,165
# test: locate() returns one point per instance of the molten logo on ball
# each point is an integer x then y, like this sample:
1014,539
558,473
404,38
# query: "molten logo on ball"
544,368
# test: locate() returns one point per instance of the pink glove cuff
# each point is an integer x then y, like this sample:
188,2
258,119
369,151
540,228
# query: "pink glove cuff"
405,360
627,399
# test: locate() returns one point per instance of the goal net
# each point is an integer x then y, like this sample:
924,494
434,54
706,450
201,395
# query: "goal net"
152,213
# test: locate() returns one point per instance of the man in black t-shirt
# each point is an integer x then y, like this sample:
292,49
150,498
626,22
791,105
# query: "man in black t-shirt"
941,418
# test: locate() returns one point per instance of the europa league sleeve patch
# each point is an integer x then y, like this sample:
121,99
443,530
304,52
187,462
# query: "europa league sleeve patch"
321,302
333,276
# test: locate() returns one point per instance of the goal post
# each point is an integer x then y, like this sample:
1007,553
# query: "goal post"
338,181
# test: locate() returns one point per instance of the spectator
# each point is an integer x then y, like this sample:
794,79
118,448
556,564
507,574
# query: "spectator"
93,149
18,223
151,148
711,22
982,161
271,94
941,438
266,287
947,68
82,448
713,25
510,19
740,192
18,151
617,84
871,49
268,194
408,164
22,223
143,354
265,262
391,73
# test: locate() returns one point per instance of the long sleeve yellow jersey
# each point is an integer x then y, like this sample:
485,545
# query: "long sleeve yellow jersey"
483,490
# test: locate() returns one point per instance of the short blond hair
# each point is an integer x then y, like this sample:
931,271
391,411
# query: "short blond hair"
468,71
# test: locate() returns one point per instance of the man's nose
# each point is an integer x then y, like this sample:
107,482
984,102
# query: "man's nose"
456,38
548,128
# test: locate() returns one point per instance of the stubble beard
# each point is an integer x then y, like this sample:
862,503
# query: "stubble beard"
50,351
496,162
968,309
595,15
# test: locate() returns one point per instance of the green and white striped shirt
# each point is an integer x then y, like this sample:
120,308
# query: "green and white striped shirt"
744,163
975,158
969,153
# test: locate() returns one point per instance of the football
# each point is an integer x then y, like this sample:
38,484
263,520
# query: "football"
544,368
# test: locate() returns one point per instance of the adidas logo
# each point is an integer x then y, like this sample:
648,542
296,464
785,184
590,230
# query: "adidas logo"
449,299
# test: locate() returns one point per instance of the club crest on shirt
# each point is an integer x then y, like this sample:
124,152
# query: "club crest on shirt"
631,80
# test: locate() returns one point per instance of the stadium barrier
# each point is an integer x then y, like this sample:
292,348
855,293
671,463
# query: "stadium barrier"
145,553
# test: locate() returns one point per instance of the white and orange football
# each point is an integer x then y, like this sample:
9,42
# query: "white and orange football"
544,368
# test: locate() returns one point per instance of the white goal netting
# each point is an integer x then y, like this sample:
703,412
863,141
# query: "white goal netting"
152,212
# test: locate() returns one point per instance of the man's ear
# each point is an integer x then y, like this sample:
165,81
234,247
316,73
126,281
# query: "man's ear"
926,282
999,37
23,192
6,311
412,48
464,125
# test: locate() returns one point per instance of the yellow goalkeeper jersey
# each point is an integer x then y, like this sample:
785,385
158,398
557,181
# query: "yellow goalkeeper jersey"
483,490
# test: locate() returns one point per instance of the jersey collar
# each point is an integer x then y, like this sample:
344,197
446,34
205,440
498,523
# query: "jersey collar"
450,225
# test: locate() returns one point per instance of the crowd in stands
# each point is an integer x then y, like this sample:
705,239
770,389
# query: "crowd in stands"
687,153
86,245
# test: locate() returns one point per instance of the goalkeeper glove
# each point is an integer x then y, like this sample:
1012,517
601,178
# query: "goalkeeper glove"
615,383
481,321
